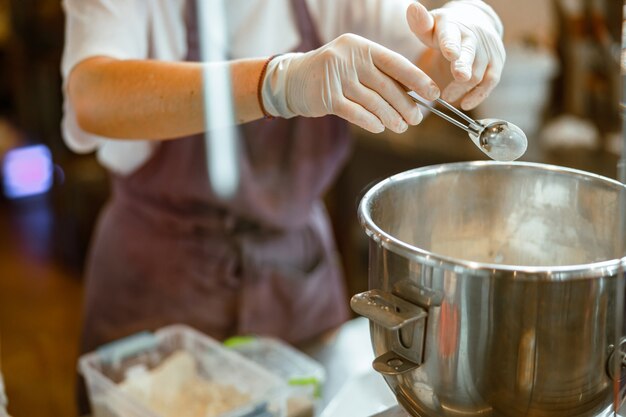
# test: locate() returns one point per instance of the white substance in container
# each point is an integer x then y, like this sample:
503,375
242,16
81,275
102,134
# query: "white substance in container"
175,389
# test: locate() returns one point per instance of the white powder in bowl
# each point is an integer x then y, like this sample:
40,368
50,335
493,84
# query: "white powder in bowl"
174,389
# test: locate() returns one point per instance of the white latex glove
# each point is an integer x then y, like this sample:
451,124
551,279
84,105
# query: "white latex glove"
351,77
469,35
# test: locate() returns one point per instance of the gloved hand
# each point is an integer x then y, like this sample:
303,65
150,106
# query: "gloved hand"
351,77
469,35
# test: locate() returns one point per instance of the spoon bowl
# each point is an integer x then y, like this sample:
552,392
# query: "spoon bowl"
500,140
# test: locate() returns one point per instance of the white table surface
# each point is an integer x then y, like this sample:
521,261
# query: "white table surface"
352,387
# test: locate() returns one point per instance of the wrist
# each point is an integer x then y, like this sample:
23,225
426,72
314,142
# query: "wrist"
273,86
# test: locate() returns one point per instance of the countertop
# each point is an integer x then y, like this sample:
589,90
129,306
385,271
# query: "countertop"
352,387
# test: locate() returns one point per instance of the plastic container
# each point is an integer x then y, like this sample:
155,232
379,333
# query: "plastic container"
304,376
105,369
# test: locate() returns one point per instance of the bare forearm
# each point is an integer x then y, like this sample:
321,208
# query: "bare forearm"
154,99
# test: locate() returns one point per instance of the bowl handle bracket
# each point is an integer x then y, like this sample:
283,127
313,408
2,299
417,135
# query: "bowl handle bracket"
405,317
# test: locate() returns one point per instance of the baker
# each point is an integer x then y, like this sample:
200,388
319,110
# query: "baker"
167,247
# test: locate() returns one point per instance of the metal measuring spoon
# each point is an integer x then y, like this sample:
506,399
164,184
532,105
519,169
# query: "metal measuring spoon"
498,139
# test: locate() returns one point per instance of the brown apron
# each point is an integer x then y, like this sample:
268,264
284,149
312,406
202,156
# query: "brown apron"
168,250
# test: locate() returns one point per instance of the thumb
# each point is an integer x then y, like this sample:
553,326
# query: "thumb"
421,22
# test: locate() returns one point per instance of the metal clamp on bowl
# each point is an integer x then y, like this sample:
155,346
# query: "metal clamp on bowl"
405,316
616,364
386,309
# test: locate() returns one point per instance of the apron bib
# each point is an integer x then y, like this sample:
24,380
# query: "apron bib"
167,250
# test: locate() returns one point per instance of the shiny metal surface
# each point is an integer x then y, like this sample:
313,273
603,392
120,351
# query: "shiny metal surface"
524,259
498,139
400,412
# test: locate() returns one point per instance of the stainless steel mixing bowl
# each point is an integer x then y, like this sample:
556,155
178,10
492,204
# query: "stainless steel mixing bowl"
492,288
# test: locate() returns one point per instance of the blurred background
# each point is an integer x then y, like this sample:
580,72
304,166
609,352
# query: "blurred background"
560,85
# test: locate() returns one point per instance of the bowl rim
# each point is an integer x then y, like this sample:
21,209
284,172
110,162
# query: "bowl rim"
462,266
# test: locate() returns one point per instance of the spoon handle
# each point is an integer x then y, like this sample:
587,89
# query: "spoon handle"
474,126
457,112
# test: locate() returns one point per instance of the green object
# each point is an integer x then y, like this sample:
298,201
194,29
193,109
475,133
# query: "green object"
317,392
237,341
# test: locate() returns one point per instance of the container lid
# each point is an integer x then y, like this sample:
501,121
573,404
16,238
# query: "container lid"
293,366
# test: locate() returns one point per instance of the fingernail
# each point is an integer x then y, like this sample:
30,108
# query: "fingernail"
416,117
451,51
463,71
468,105
433,92
402,127
474,101
452,95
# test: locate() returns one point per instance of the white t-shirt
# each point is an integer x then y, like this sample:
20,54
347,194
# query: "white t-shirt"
155,29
